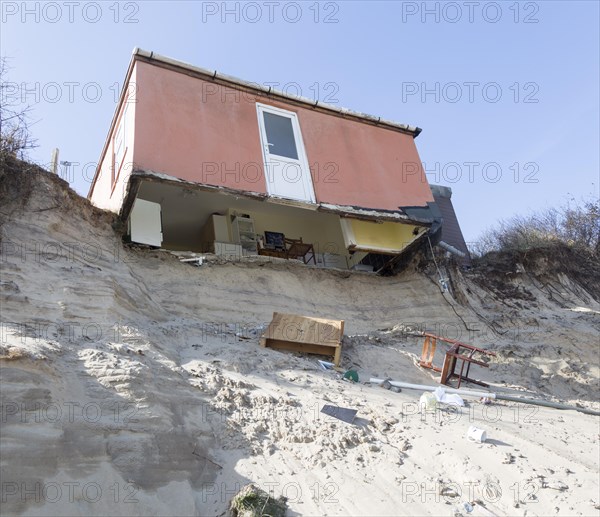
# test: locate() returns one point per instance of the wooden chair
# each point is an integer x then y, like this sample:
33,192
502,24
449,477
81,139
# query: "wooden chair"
300,250
458,352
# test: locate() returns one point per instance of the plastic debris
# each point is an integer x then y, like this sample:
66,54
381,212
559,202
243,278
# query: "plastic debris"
341,413
326,365
351,375
476,434
386,384
448,398
428,401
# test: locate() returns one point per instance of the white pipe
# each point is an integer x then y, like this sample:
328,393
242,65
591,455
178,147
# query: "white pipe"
452,249
423,387
490,395
545,403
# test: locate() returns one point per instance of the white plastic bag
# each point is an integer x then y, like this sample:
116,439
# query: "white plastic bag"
448,398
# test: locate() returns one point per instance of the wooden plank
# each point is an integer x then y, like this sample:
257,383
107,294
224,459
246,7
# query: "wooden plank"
337,357
428,352
446,369
272,253
460,343
468,359
308,348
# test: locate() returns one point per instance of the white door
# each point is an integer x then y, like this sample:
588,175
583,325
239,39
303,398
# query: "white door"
286,166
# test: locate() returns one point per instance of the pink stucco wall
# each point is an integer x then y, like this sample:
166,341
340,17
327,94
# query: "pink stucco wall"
109,187
195,130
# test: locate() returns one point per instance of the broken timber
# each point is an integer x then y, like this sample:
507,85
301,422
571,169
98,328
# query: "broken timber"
305,334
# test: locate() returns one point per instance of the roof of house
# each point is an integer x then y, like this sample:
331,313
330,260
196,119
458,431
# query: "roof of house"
273,92
451,232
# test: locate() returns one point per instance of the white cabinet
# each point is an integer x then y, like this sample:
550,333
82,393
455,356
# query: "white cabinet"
243,233
214,232
145,223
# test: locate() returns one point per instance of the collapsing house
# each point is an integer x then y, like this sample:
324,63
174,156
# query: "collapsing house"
196,160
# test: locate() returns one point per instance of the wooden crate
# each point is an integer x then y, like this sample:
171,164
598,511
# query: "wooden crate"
305,334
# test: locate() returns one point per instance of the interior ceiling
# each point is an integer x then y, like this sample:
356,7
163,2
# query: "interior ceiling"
185,210
184,205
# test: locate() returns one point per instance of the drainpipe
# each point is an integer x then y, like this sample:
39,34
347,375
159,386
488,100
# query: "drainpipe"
488,394
452,249
424,387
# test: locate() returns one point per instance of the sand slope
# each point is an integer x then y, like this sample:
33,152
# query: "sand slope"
133,384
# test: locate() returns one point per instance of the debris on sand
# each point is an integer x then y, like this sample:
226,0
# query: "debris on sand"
251,501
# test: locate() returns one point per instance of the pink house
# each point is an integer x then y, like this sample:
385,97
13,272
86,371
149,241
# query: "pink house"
200,161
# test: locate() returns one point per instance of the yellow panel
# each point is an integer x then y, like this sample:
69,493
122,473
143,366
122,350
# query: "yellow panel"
386,236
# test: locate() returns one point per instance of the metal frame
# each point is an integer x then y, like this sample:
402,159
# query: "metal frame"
448,370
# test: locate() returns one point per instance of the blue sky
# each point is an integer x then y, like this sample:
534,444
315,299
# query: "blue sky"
507,93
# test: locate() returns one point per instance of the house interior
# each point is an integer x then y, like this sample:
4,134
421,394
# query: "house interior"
194,219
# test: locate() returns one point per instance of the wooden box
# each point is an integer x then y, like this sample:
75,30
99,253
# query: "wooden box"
305,334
